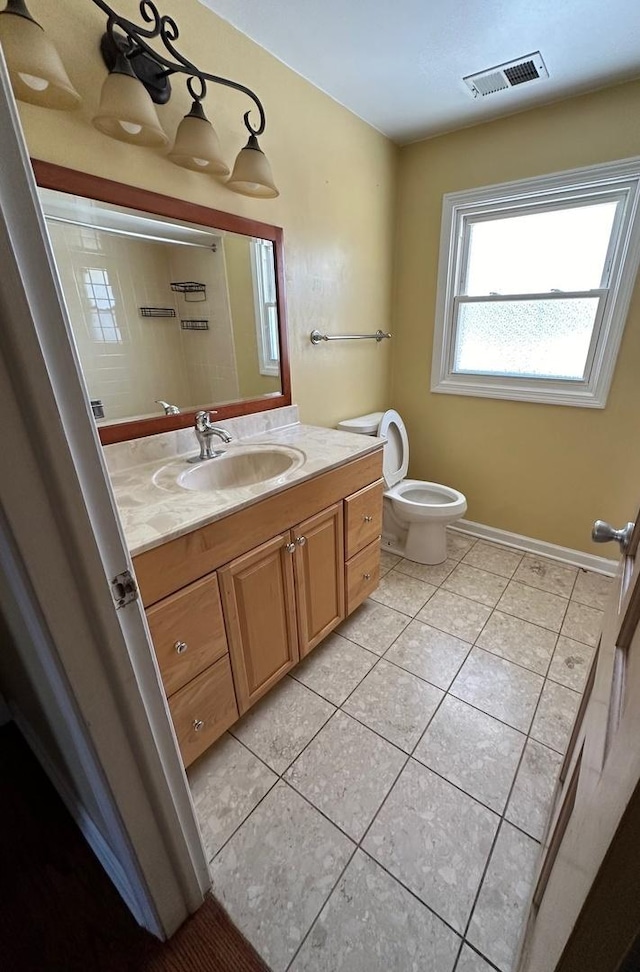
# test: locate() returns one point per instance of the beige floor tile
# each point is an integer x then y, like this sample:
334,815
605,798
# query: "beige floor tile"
592,589
281,724
570,664
226,783
334,668
455,614
473,751
429,653
530,801
555,716
502,903
374,626
372,924
346,772
479,585
582,624
277,871
388,561
530,604
458,544
402,593
491,556
499,688
435,840
519,641
470,961
546,575
426,572
395,704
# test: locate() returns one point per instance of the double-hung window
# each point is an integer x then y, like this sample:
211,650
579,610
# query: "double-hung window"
266,306
535,280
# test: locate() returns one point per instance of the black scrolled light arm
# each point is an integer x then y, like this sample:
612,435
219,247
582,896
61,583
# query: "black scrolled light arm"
165,27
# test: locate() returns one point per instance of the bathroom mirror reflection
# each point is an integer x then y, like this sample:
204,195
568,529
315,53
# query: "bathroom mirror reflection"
166,314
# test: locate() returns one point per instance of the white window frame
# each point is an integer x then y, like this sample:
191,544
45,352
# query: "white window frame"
461,209
267,365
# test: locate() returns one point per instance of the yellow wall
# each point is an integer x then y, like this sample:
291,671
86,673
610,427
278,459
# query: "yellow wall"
336,177
540,470
243,314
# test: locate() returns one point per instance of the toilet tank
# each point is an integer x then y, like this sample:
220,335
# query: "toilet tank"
363,424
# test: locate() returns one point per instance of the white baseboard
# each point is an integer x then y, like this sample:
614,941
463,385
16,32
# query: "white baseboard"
576,558
86,825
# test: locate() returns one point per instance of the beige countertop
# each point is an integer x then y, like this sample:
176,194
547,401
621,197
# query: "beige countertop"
154,508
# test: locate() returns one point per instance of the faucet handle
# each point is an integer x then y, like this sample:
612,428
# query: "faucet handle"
203,419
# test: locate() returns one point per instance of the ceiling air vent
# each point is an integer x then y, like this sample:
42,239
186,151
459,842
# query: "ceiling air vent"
509,75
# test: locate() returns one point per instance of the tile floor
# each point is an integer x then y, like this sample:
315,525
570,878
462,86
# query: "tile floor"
381,809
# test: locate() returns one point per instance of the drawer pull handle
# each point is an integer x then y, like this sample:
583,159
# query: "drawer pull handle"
290,547
367,519
301,541
198,724
366,576
181,646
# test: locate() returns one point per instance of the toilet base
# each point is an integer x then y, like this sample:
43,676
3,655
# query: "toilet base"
422,542
426,545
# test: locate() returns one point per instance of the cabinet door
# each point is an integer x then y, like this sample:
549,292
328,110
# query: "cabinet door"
319,566
259,609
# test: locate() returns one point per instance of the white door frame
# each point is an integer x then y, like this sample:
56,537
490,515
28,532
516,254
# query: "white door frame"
60,542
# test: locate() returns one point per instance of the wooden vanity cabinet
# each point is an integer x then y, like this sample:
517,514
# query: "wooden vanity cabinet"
319,569
260,611
251,594
281,600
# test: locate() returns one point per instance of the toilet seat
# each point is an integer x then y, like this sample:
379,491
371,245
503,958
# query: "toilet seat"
395,457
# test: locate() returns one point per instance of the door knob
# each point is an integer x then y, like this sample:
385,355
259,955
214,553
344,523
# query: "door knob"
181,646
301,541
603,532
290,547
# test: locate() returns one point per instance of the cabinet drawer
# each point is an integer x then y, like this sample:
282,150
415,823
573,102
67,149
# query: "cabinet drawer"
363,517
188,632
203,709
362,575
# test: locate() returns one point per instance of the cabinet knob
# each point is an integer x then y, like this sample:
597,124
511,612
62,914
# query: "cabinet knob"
301,541
366,576
290,547
367,519
181,646
198,724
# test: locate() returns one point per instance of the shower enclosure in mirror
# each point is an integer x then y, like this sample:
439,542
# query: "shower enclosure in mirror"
173,307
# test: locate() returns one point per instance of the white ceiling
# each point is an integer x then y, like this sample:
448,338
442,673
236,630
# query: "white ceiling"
399,65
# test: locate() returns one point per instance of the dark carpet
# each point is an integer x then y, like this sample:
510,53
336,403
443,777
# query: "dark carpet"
59,911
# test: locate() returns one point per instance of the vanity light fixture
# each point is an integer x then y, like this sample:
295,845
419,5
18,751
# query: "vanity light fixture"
139,78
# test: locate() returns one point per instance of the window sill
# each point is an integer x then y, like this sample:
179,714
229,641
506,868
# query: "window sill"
576,394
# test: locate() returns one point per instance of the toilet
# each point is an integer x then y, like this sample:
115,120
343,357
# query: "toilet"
416,513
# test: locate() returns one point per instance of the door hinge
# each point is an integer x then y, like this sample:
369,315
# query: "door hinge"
124,589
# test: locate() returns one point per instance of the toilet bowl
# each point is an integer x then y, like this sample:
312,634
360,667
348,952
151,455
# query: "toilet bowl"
416,513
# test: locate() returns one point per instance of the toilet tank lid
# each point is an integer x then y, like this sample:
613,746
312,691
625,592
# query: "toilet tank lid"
364,424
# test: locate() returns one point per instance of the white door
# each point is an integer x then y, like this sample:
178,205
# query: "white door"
60,546
585,912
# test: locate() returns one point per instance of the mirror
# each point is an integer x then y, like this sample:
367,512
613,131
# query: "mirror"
173,307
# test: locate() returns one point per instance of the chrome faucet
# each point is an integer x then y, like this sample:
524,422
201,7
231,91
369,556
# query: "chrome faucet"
168,408
204,431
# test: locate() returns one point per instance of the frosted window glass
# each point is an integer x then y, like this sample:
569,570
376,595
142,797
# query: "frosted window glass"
563,249
527,338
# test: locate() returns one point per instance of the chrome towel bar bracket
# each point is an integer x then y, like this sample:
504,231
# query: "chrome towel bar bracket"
316,337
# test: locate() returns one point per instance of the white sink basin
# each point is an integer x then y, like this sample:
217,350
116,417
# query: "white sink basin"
241,466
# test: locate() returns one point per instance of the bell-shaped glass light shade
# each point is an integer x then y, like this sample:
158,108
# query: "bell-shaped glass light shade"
251,174
35,68
197,145
126,110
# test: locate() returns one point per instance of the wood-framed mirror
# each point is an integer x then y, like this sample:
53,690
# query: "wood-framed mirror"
172,304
